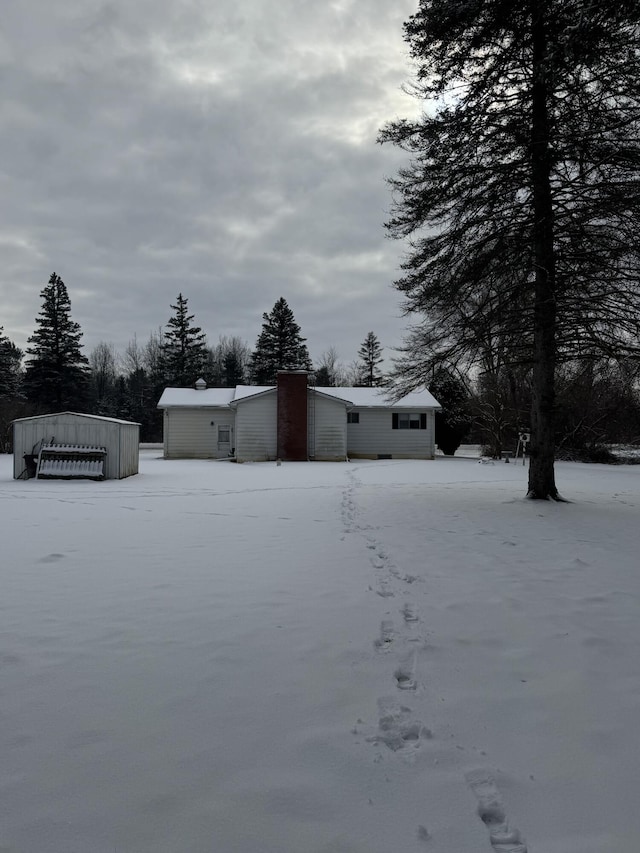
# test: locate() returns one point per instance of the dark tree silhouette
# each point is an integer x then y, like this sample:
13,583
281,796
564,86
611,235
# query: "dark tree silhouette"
56,374
184,348
369,357
280,346
10,362
521,198
452,423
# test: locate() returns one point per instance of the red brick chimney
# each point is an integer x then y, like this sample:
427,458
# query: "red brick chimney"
292,416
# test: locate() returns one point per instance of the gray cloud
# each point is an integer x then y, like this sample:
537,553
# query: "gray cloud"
225,152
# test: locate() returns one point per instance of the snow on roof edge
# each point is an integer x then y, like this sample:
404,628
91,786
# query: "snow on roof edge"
76,415
354,396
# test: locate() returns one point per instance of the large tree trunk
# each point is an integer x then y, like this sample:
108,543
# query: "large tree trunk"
541,474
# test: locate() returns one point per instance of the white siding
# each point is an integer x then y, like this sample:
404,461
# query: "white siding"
374,436
327,429
129,456
193,433
120,438
256,428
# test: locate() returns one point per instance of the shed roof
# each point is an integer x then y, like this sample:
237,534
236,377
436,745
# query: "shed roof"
75,415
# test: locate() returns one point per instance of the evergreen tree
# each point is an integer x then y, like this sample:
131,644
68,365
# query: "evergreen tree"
233,370
10,363
184,348
452,423
323,377
56,375
522,198
280,346
370,356
11,400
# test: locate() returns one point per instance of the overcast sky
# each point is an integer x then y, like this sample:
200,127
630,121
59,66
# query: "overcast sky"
220,149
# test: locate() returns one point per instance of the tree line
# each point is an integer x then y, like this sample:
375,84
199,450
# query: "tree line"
54,374
598,401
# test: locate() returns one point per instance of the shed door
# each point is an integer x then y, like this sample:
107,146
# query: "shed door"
224,438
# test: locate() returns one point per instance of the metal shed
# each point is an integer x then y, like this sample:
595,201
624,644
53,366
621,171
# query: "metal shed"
120,439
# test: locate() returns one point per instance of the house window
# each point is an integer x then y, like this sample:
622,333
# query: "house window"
408,420
353,417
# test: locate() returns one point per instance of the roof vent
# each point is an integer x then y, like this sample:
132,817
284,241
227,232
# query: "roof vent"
201,384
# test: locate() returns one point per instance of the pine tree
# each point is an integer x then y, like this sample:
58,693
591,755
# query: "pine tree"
280,346
521,199
453,421
184,347
56,375
233,370
370,356
11,399
10,361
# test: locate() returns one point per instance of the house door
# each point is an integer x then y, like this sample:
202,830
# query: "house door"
224,439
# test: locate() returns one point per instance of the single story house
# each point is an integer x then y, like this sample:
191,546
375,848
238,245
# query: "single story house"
296,421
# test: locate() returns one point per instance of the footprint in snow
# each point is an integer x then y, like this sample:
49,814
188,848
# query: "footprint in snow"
398,730
387,634
503,837
409,613
405,674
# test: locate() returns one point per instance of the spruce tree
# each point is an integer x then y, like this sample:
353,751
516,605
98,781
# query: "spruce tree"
280,346
453,421
11,399
521,198
370,356
56,375
10,361
233,370
184,347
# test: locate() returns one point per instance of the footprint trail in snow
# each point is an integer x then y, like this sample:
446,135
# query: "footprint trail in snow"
399,729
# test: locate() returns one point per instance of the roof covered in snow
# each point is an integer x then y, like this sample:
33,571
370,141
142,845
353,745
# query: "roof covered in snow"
359,398
75,415
192,398
363,398
244,391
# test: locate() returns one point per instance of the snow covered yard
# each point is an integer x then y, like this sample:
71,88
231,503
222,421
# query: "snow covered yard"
320,658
